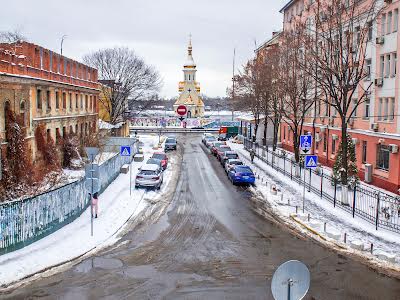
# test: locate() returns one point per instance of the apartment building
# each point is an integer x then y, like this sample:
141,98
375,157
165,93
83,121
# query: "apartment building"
375,125
47,88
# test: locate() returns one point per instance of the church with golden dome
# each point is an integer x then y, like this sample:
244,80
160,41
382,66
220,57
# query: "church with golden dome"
189,89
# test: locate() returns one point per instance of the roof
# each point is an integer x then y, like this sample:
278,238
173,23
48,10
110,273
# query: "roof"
149,167
287,5
272,41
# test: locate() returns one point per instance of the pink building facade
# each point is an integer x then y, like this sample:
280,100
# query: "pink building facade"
375,128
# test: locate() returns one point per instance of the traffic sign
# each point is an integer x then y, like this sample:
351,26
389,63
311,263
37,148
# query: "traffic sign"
311,161
125,151
181,110
305,143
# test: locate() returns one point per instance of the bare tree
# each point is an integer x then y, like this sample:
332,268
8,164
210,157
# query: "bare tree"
296,84
337,62
126,80
11,36
248,91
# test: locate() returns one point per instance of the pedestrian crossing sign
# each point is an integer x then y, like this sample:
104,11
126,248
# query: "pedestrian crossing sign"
125,151
311,161
305,144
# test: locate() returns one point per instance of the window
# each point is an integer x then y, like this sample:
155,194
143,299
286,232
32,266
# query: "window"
326,109
64,100
366,108
364,152
387,67
386,109
48,135
391,109
395,20
51,61
39,99
284,133
325,143
70,101
81,101
86,102
57,100
382,157
383,24
370,31
58,64
389,22
380,104
333,146
41,57
48,100
65,66
382,65
354,102
368,63
394,64
76,101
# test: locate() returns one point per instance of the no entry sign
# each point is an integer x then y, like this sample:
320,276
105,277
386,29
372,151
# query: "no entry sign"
181,110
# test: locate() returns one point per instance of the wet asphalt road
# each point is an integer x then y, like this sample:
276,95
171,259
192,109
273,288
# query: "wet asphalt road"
207,244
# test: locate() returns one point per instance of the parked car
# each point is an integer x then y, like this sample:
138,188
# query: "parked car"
215,146
163,157
230,163
170,144
155,161
150,175
221,151
209,141
205,134
228,155
241,175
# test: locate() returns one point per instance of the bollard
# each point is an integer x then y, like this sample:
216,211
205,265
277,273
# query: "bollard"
308,217
325,227
296,209
372,248
345,237
258,176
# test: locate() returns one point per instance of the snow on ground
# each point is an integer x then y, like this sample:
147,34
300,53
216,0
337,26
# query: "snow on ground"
321,211
116,207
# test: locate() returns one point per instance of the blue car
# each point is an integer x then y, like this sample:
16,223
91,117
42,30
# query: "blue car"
241,175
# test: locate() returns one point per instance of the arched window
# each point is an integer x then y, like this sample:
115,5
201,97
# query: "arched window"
22,111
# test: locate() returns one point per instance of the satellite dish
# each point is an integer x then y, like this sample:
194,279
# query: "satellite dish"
291,281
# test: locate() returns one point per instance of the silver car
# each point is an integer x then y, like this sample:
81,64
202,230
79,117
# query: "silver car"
150,175
230,163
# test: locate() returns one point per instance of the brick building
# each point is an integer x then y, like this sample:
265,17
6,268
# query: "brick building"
375,128
47,88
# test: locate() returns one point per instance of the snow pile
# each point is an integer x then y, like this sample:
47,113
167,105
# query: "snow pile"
116,207
320,217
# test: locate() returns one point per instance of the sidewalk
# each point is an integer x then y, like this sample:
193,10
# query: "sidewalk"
359,233
116,208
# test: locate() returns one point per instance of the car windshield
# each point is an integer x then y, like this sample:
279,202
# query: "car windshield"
154,161
232,156
236,163
159,156
243,169
148,172
171,140
210,138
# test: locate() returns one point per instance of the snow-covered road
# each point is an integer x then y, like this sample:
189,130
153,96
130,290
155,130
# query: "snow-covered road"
116,208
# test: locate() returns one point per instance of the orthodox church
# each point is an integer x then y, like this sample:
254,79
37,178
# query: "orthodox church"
189,89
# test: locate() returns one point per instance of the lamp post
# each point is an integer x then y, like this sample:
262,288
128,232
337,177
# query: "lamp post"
62,42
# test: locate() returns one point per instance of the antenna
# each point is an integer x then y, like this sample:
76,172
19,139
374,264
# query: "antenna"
291,281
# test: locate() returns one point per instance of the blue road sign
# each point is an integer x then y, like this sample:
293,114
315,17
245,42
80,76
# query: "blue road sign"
311,161
125,151
305,143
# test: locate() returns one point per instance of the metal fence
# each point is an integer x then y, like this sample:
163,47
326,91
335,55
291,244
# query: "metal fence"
26,221
371,204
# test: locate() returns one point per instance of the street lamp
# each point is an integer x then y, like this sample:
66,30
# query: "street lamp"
62,42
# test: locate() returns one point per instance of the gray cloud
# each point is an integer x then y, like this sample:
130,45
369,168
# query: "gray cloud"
157,30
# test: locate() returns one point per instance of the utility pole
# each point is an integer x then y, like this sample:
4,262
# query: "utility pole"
233,84
62,42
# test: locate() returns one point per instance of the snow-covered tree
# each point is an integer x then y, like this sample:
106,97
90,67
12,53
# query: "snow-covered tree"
352,170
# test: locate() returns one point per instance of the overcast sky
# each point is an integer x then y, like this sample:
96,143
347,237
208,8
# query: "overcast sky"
157,30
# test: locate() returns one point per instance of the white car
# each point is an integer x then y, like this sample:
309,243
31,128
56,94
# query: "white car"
150,175
206,134
230,163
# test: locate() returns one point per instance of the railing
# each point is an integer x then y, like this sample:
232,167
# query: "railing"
371,204
25,221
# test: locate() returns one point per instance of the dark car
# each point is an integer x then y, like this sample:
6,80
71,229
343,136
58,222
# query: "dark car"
163,157
221,151
228,155
170,144
241,175
215,146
